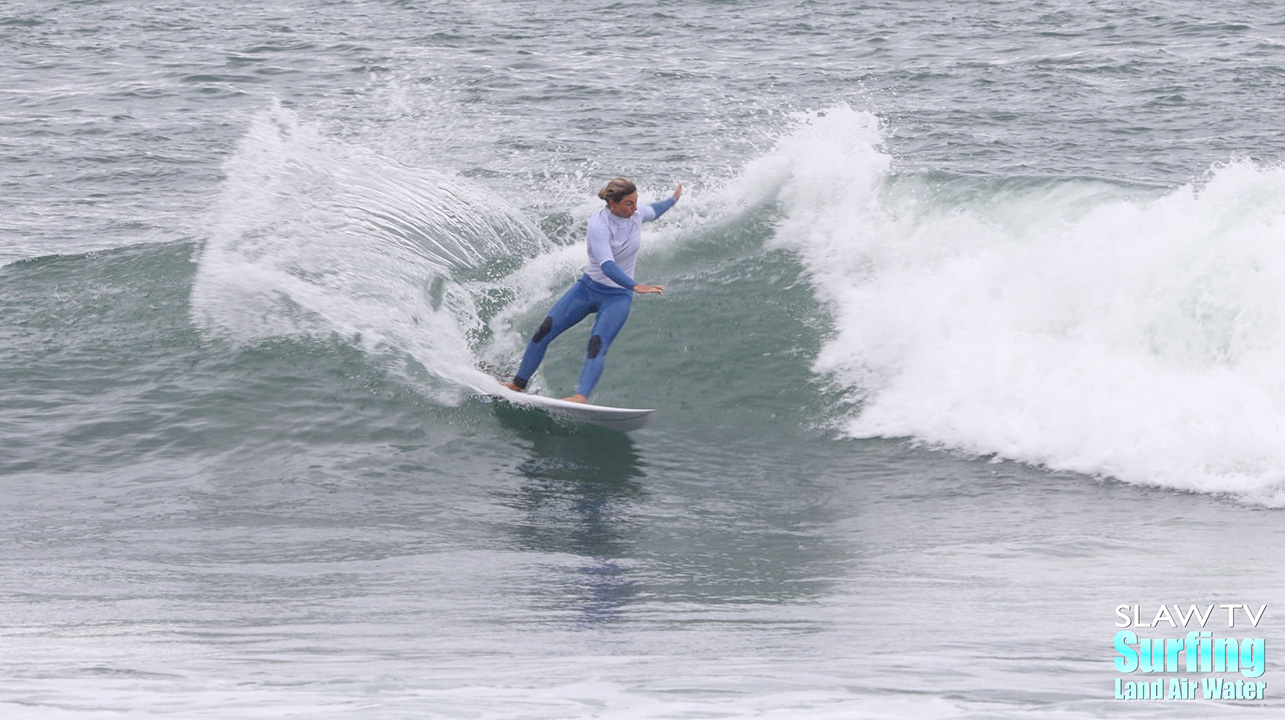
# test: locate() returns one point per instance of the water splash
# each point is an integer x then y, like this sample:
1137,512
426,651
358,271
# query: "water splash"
314,237
1084,325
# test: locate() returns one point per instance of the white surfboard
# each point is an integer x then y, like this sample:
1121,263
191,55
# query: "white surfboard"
622,419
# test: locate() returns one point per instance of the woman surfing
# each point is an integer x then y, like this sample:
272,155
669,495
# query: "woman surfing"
607,286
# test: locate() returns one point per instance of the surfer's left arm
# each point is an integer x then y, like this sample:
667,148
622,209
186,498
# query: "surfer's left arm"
663,205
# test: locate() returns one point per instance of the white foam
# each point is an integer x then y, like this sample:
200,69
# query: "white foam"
1077,324
316,237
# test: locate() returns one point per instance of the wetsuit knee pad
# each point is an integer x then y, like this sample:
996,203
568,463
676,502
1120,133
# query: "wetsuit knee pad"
545,328
595,346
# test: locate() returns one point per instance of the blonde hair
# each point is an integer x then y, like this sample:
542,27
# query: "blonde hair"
616,190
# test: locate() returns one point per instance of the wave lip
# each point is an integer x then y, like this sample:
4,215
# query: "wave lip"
1082,325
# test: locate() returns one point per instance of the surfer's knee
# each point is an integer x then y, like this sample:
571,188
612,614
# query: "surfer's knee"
595,346
543,331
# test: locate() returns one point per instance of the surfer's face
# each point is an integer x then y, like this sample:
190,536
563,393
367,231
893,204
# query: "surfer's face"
627,206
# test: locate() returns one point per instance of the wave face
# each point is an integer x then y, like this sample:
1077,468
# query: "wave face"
1086,325
1079,324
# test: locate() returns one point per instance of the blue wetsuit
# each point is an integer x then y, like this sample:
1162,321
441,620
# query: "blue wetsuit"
606,288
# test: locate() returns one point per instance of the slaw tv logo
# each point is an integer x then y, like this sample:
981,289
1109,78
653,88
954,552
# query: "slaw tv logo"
1203,664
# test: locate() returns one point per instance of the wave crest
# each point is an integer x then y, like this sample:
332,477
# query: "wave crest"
1079,324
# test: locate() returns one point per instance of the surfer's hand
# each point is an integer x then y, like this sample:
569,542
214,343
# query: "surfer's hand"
649,289
679,192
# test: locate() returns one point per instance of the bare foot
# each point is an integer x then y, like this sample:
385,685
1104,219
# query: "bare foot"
577,398
511,386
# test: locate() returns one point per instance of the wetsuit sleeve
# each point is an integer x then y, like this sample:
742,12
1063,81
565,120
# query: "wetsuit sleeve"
618,276
599,244
660,207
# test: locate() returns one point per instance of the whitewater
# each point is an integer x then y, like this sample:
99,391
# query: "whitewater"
1083,325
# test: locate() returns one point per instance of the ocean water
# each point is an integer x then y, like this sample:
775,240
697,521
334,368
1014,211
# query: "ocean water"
974,330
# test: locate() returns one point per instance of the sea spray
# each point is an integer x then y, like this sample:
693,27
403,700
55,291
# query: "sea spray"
1084,325
312,237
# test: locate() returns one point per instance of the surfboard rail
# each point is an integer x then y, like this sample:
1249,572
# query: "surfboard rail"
622,419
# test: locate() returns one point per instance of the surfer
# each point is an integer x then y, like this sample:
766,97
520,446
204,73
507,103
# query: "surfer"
607,286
